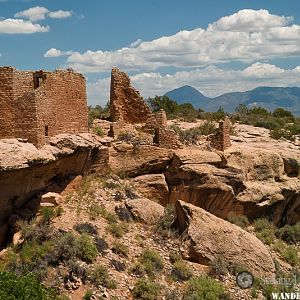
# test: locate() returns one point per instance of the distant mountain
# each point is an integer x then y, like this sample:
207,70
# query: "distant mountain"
268,97
188,94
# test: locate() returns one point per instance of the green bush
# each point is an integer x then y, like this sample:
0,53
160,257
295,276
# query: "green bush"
219,266
87,250
99,131
88,295
181,271
99,276
288,233
13,287
117,230
204,288
120,249
151,261
86,228
288,253
164,225
265,230
239,220
191,135
146,290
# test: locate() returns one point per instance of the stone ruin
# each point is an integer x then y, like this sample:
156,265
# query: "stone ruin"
37,105
127,109
221,140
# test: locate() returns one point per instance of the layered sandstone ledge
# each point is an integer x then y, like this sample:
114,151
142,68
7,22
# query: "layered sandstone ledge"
26,172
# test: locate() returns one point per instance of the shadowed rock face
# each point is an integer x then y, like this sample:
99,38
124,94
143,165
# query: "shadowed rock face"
26,172
251,181
205,237
126,104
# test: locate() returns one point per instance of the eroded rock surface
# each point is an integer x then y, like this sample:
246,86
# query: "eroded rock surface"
205,237
244,179
145,210
134,161
27,172
153,186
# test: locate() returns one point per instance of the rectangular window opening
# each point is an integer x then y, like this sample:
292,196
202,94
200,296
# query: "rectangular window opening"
46,130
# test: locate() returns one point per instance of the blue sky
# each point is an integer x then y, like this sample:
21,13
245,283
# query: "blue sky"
216,46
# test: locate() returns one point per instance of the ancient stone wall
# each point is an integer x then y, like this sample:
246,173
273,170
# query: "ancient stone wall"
221,141
166,138
35,105
126,104
61,104
161,118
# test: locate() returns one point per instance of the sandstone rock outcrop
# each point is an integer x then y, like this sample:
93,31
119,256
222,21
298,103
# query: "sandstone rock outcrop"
245,180
139,161
152,186
145,210
27,172
205,237
126,104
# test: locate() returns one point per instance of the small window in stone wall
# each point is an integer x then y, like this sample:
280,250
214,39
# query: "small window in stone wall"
37,81
46,130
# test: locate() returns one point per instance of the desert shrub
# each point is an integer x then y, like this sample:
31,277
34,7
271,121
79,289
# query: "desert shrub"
88,295
164,225
48,213
288,253
265,230
87,251
291,256
120,249
36,232
99,131
146,290
191,135
99,276
130,193
137,269
219,266
181,271
13,287
239,220
282,113
117,230
101,244
151,261
288,233
78,268
86,228
118,265
123,213
174,256
204,288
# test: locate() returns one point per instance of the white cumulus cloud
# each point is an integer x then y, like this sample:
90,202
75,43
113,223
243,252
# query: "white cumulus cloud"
18,26
33,14
53,52
211,81
60,14
246,36
40,13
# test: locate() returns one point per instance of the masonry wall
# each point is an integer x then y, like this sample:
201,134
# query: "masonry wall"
57,105
24,106
61,104
7,115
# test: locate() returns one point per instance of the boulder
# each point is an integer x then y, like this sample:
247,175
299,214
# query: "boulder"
53,198
206,236
152,186
145,210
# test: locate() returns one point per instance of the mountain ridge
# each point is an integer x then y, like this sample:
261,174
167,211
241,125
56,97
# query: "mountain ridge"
265,96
